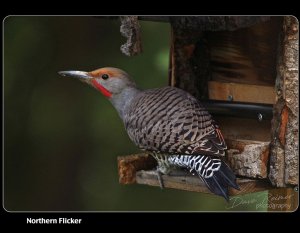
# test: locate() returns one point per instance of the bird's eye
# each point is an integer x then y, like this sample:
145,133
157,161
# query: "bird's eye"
105,76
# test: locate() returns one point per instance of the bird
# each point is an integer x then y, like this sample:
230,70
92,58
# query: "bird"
170,124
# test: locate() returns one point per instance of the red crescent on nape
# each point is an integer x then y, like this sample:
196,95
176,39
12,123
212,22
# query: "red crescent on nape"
102,89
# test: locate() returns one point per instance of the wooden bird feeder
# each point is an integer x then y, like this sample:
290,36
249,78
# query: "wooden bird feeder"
245,71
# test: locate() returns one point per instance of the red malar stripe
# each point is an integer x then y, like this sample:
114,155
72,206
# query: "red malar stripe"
103,90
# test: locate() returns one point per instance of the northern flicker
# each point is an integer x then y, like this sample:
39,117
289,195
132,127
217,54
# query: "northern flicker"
169,123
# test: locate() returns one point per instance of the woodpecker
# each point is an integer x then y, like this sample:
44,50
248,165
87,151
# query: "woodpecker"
169,123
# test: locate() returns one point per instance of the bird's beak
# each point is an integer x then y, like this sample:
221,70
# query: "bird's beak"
75,74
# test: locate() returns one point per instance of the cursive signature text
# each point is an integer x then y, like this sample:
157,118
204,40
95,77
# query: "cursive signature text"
270,202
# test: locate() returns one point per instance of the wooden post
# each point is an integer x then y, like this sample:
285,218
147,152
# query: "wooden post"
285,125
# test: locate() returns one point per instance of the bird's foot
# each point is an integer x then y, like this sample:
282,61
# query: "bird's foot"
170,173
160,179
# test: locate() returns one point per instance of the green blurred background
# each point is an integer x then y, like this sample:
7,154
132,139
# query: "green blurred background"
61,137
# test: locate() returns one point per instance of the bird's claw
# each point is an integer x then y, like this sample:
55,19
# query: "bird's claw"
160,179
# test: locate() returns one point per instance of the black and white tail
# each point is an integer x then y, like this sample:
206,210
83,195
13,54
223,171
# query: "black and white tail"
215,173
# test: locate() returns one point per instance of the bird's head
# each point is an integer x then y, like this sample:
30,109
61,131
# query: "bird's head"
109,81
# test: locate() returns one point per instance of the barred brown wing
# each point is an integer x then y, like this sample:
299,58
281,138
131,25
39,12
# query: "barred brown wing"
169,120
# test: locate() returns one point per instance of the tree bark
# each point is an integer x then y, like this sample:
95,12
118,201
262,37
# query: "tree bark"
285,134
130,28
248,158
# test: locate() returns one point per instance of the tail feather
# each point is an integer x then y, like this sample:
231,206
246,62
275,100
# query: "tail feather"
221,180
215,173
229,175
217,187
